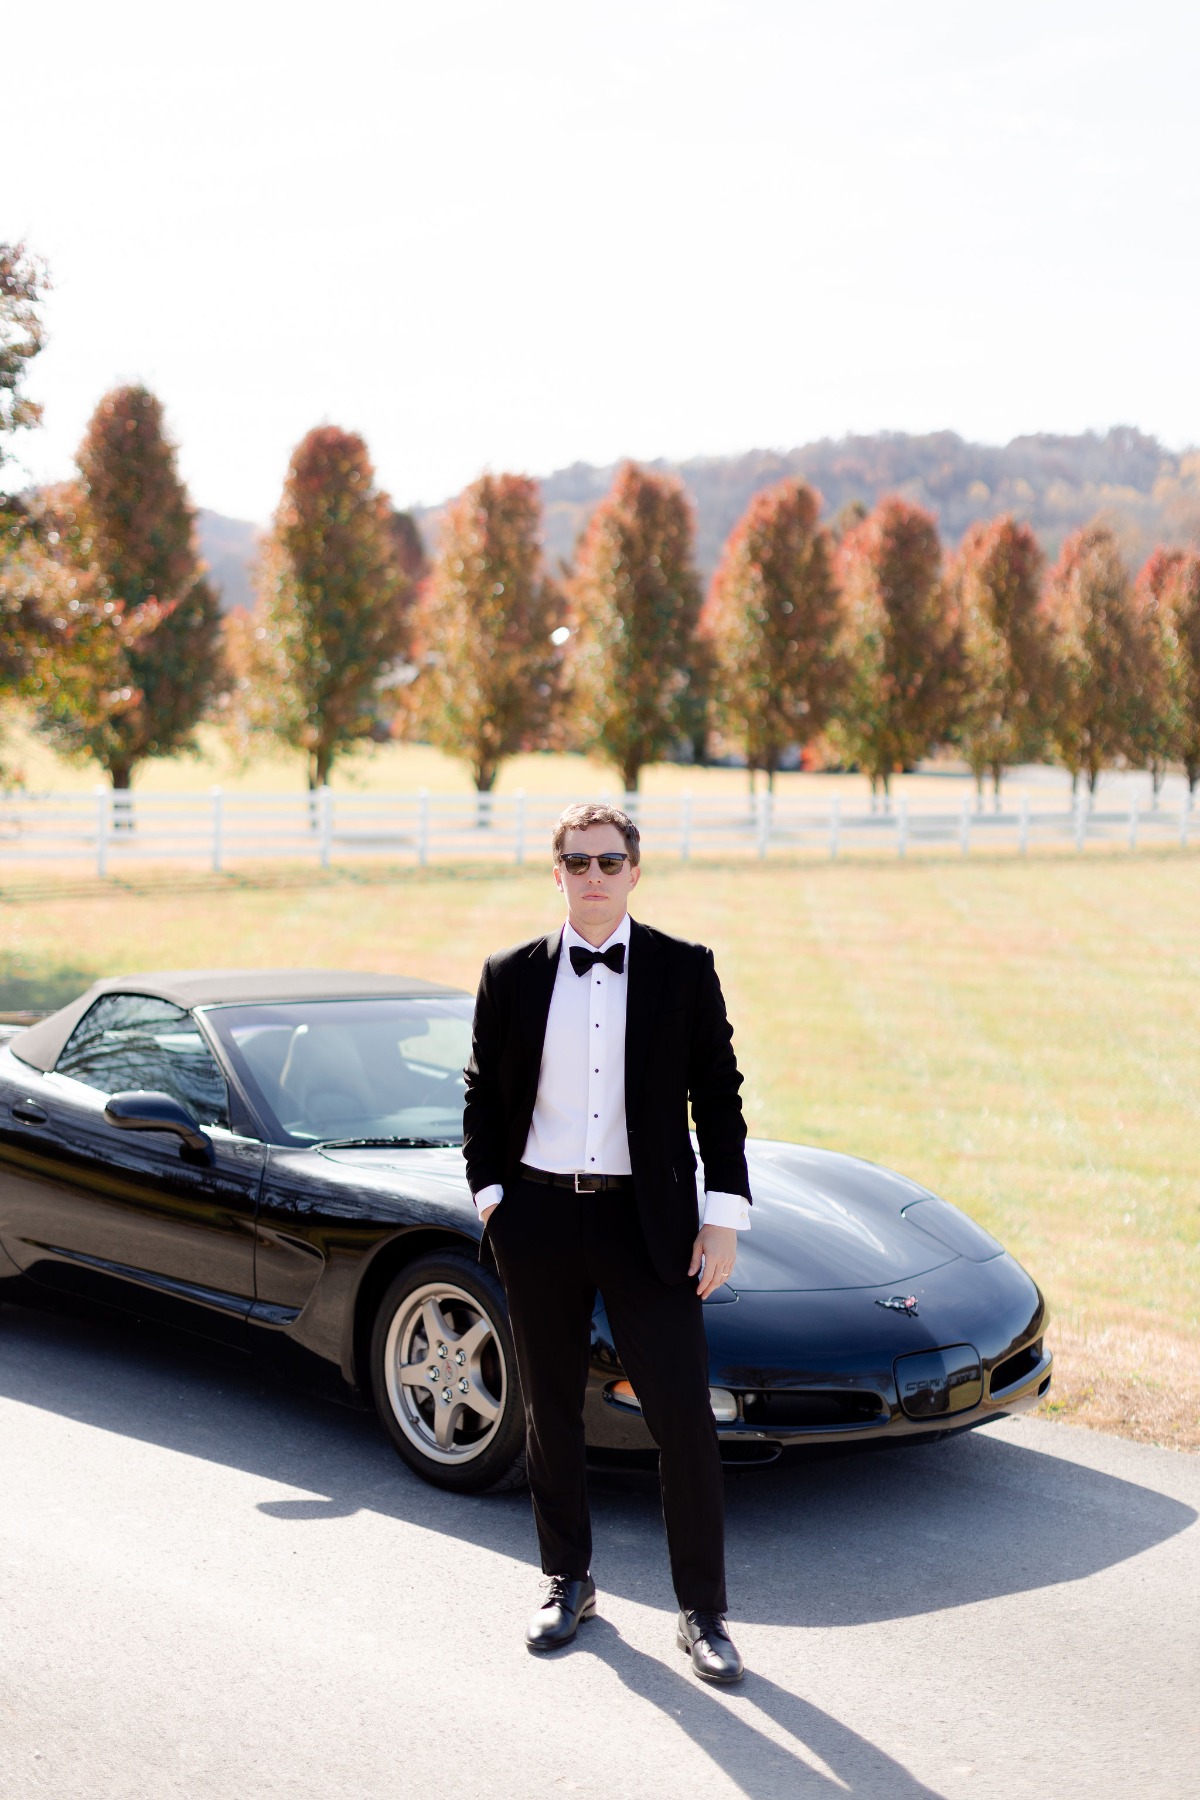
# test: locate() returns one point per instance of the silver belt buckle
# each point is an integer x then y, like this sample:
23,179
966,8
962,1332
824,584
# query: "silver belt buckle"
580,1176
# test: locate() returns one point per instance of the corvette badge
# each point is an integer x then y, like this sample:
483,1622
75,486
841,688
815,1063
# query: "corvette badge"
901,1303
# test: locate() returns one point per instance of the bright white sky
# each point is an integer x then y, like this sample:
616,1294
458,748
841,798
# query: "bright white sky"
516,233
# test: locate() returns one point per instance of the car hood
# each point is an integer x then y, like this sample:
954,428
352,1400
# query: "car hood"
820,1220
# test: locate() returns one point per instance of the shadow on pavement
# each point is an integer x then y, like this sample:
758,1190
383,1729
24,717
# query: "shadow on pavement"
730,1731
827,1542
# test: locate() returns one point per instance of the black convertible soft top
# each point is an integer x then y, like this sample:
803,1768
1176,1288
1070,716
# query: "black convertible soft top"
41,1045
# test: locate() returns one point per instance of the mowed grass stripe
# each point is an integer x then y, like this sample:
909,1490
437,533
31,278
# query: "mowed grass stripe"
1022,1037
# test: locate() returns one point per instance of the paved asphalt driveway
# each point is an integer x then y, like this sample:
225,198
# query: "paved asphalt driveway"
212,1587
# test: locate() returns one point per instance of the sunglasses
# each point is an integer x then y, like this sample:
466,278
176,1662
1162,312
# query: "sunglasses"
576,863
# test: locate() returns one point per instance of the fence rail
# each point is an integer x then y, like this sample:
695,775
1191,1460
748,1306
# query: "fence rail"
111,830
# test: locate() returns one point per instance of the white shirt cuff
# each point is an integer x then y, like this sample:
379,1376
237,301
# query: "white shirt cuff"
732,1210
488,1196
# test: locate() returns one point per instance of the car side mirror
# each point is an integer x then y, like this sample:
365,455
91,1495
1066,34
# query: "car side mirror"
147,1111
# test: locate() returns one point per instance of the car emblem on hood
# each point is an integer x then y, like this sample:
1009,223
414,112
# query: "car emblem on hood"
901,1303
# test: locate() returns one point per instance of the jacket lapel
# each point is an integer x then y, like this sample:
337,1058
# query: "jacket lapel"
537,985
645,985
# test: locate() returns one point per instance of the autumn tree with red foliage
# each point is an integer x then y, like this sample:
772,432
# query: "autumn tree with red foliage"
489,672
773,617
124,536
1102,656
1166,597
333,609
901,641
996,584
636,603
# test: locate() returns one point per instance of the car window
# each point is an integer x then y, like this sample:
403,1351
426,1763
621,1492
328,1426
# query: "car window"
326,1069
128,1041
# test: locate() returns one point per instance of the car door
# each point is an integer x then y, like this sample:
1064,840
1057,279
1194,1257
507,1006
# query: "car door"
132,1218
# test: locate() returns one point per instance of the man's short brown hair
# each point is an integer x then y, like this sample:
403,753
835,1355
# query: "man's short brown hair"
594,812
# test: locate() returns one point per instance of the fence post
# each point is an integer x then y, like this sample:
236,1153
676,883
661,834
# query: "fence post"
102,809
1080,818
964,828
324,823
902,827
1023,841
835,828
762,807
218,810
520,825
1133,821
423,827
685,827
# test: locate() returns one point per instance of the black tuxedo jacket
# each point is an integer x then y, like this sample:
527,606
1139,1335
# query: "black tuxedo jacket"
678,1047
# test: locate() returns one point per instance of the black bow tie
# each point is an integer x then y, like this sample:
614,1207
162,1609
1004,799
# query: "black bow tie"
583,960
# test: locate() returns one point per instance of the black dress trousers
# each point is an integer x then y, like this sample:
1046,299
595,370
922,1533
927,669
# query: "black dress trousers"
554,1249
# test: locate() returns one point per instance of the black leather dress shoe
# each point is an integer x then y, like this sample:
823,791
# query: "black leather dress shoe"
703,1636
567,1604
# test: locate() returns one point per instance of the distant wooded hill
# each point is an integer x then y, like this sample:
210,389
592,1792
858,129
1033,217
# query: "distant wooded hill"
1149,495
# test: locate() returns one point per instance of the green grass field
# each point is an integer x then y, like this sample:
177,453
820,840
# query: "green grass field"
1022,1037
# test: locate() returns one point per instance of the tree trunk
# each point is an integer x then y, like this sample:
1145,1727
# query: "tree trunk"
1092,779
121,776
630,773
485,772
997,777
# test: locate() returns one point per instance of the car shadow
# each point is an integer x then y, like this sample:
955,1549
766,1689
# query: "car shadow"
831,1541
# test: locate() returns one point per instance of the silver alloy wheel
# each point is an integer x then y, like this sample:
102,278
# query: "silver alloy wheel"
445,1373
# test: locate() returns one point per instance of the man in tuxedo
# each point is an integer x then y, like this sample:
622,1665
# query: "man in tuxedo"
588,1045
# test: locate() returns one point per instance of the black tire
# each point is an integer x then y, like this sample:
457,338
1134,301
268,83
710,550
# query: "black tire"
446,1392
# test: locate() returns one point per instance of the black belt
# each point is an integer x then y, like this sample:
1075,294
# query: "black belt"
582,1184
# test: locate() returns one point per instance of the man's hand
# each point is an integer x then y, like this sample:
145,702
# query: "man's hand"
717,1245
487,1211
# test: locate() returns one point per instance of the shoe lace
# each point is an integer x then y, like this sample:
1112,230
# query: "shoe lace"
708,1624
557,1589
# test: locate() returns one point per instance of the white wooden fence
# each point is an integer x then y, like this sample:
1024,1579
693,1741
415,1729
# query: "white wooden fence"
110,831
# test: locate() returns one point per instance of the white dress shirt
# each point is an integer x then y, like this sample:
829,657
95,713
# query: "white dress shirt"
578,1124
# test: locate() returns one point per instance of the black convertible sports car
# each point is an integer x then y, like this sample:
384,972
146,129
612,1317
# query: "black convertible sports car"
274,1159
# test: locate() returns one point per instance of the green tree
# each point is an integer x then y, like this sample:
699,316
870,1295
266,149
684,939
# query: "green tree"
1007,663
333,608
773,616
124,535
489,676
1100,657
636,601
24,619
901,641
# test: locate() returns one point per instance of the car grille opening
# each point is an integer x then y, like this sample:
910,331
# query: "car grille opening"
1014,1369
817,1408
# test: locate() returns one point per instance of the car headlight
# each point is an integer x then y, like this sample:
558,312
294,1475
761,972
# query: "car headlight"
947,1226
724,1404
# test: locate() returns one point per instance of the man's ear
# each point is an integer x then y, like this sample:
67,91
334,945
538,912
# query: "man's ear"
635,875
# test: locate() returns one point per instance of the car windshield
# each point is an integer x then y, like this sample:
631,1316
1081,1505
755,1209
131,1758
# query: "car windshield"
337,1069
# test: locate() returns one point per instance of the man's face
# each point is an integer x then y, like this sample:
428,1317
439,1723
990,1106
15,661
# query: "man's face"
596,903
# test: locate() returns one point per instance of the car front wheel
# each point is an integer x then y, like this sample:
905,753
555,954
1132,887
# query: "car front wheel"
444,1374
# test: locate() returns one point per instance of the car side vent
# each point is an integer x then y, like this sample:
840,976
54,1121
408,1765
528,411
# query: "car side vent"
818,1408
1014,1369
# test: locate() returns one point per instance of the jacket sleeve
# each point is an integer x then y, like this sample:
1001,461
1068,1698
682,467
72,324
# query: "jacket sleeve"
714,1089
483,1114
